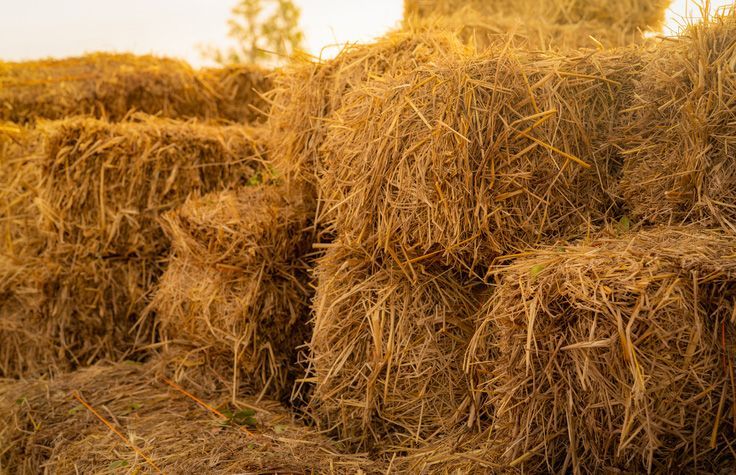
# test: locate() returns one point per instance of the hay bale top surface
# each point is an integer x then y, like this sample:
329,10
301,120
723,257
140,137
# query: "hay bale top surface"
112,85
44,425
252,227
617,14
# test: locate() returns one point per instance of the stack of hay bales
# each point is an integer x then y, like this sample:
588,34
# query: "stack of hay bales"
613,354
555,24
102,187
111,85
236,285
154,427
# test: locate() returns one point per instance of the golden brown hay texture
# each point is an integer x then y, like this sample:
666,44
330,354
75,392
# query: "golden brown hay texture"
473,156
387,349
112,85
612,355
680,135
620,15
305,95
237,282
106,184
44,428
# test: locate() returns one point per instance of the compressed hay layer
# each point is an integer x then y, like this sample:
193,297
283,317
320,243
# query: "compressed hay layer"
621,15
615,354
680,135
237,282
112,85
304,96
44,428
105,185
387,349
473,156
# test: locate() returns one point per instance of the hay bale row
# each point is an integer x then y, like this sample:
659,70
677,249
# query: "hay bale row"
84,238
112,85
473,156
236,286
679,137
387,349
43,427
615,354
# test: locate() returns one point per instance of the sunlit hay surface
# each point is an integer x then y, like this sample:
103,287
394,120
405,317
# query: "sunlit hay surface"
237,283
680,135
305,94
44,428
472,156
619,15
482,31
104,185
615,354
387,349
112,85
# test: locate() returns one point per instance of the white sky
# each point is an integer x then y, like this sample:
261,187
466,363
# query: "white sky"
57,28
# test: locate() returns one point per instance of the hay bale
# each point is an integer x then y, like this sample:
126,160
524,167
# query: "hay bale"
44,428
611,355
679,137
305,95
236,285
112,85
387,349
105,184
473,156
620,15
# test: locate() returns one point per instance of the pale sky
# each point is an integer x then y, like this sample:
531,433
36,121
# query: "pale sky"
56,28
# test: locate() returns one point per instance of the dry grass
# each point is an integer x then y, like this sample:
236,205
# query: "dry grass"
471,156
387,349
618,15
305,95
105,185
43,427
679,136
237,284
112,85
612,354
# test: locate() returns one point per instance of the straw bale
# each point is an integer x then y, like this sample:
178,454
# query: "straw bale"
620,15
387,349
680,135
112,85
305,95
615,354
106,184
237,282
43,428
477,155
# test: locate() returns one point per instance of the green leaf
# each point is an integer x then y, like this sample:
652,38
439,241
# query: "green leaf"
536,269
21,400
135,406
624,224
75,409
279,429
118,464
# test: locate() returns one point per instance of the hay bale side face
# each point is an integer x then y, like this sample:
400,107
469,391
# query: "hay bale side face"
106,184
304,97
43,427
112,85
237,281
387,350
477,155
610,356
680,139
